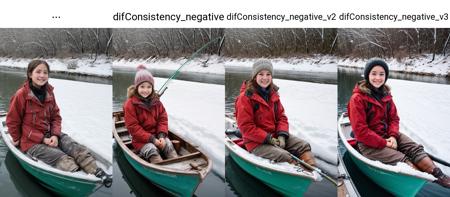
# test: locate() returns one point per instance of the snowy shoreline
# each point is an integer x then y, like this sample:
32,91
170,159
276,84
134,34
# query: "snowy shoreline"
80,66
419,65
216,65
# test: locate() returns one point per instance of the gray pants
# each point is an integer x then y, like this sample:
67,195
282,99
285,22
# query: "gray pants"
406,150
294,145
67,149
149,150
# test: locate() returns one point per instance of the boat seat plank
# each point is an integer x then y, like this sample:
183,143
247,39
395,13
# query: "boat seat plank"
120,123
194,164
125,138
180,158
121,130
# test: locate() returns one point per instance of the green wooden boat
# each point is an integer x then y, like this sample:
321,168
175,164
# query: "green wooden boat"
399,181
179,176
61,182
288,180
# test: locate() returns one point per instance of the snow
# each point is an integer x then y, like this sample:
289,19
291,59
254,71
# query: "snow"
195,113
419,64
311,112
424,109
101,67
214,64
317,63
86,111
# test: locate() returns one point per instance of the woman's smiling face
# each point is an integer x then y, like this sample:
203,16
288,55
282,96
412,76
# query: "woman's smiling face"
377,76
264,78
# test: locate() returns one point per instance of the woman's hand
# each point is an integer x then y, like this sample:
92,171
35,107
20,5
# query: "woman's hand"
16,143
46,141
391,142
160,143
53,141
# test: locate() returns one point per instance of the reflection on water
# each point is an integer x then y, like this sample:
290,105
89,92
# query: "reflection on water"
24,182
244,184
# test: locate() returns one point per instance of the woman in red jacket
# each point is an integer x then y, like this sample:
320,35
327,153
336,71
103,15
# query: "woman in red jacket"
146,119
261,119
375,123
34,123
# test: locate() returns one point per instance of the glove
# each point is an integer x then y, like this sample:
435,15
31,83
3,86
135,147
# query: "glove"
282,141
274,141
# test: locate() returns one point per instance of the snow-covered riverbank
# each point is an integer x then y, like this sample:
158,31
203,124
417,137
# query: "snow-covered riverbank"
83,66
416,65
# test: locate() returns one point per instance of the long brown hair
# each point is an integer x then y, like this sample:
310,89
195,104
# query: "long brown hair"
252,84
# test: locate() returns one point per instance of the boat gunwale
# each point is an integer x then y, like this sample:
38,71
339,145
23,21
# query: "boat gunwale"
359,156
348,182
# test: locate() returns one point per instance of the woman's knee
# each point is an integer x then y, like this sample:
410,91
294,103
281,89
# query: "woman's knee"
148,150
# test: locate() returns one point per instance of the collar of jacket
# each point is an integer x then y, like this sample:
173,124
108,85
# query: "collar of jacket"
137,102
361,88
251,93
30,96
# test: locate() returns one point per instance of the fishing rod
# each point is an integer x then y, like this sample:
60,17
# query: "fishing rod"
163,88
438,160
316,169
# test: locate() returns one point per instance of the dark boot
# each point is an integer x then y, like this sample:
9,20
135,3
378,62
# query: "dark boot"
442,179
106,178
427,165
308,157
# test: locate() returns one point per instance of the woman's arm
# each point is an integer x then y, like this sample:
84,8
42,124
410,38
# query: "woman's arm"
133,125
245,120
15,115
282,126
360,127
394,121
163,122
55,120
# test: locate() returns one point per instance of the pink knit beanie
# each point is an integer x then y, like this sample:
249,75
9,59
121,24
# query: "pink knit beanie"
143,75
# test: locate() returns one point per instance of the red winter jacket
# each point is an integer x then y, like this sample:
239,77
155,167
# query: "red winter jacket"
372,123
258,125
28,119
145,123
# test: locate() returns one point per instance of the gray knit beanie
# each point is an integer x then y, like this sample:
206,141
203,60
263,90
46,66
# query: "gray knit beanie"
260,65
